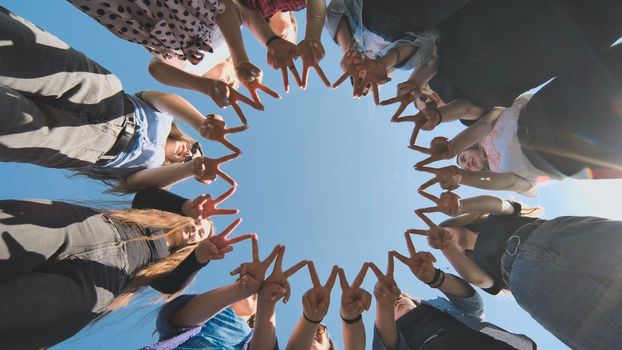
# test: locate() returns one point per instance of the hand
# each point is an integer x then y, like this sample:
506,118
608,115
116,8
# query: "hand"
351,59
316,300
438,237
214,128
215,247
419,122
217,90
354,299
407,93
205,207
448,204
449,178
252,273
234,97
374,74
206,169
386,290
276,285
421,264
281,55
440,148
311,52
250,76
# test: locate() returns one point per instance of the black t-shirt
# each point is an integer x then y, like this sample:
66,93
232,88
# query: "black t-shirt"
442,331
491,243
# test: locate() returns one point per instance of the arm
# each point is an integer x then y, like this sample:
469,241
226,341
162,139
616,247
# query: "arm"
176,106
157,198
344,35
229,24
264,333
180,277
255,22
397,55
476,132
316,14
489,180
460,109
486,204
302,336
171,75
353,335
163,176
204,306
424,72
467,268
386,327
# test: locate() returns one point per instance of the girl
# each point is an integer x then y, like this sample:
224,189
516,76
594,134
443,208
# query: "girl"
70,265
65,111
560,270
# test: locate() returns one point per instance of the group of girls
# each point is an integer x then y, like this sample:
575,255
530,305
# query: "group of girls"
71,265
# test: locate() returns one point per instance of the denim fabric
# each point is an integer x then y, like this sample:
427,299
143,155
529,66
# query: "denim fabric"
353,11
567,275
59,108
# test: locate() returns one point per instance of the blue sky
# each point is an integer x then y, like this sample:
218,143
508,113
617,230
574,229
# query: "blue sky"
326,175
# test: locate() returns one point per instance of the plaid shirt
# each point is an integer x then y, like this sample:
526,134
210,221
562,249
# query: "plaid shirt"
269,7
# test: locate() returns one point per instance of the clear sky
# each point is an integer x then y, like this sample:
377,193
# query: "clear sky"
323,173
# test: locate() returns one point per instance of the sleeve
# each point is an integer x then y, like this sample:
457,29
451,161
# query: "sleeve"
423,41
163,324
473,305
178,278
156,198
377,343
334,12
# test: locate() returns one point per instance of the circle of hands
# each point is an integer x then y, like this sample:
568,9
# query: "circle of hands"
366,74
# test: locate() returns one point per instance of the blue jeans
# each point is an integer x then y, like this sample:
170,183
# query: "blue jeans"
567,274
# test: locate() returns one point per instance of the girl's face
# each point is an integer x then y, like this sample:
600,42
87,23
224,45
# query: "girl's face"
199,230
177,151
402,306
282,26
471,159
320,339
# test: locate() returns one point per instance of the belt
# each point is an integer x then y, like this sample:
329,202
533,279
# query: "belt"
532,154
512,246
125,136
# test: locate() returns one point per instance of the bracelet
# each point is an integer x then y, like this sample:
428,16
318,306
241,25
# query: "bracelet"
240,63
316,16
352,321
437,275
310,320
272,38
440,281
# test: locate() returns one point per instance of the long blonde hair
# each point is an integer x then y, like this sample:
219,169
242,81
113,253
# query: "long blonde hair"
473,221
171,224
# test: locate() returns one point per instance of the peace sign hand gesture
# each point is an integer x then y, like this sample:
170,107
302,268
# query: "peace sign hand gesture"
440,148
407,93
205,207
421,264
349,63
449,203
252,273
449,178
215,247
354,299
311,52
281,55
386,290
214,128
206,169
438,237
250,76
276,285
315,301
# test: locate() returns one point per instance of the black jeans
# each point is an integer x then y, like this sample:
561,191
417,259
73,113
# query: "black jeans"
60,267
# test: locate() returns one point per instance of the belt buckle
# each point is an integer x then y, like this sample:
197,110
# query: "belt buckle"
515,250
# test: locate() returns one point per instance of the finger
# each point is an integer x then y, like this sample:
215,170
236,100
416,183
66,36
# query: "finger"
341,79
292,270
315,279
428,183
413,138
235,272
375,93
268,91
429,196
425,218
428,256
278,266
401,257
240,238
376,271
200,200
430,159
409,243
413,231
236,96
255,248
252,88
239,112
399,111
275,251
294,72
227,231
390,264
321,74
227,158
226,211
343,281
305,75
331,279
366,299
391,101
285,79
236,129
226,177
225,195
360,277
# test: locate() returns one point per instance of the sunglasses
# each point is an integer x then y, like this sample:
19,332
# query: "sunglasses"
196,147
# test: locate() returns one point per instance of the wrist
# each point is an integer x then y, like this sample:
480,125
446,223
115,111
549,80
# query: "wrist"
272,39
350,319
311,320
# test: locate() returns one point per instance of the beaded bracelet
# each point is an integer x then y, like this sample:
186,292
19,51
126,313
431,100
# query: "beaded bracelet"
437,275
440,281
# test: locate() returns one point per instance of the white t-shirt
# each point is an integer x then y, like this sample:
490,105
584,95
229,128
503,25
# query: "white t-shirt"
503,148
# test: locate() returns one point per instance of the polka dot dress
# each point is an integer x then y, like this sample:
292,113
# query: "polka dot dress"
171,28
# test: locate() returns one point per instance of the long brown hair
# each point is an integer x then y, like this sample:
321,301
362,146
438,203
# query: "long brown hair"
476,147
171,224
118,185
